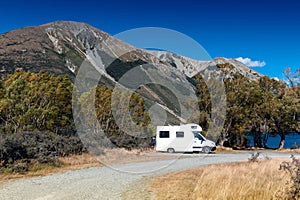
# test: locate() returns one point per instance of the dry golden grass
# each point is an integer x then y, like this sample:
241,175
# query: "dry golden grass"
121,155
245,180
291,151
221,149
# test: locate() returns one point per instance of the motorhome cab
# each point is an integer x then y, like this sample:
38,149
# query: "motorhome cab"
183,138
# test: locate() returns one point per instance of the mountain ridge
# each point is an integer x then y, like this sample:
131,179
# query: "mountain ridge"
61,47
60,44
192,67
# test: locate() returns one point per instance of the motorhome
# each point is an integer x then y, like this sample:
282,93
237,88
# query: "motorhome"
183,138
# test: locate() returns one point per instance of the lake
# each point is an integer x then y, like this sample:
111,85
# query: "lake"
273,141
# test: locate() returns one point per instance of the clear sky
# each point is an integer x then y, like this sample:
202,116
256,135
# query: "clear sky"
262,30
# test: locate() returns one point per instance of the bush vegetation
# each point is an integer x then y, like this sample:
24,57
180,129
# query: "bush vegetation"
262,107
292,191
37,125
36,120
21,150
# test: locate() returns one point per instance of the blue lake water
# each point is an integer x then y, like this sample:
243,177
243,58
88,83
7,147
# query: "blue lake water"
291,140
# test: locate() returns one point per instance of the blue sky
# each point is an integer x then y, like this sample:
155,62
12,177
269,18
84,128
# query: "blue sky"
259,30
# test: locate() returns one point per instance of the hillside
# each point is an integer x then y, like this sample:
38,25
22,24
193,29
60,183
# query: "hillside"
61,47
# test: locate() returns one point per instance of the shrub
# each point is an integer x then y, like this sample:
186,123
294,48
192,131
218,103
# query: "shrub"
19,150
254,157
293,189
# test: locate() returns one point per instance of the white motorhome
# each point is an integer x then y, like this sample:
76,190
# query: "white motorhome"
183,138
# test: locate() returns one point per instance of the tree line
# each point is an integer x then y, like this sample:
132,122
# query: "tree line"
262,108
36,114
36,120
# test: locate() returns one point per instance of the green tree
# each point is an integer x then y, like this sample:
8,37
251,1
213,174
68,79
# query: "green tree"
36,102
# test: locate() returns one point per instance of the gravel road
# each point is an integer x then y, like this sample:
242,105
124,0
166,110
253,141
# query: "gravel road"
108,182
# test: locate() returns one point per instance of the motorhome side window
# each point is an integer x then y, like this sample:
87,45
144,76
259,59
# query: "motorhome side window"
164,134
179,134
194,127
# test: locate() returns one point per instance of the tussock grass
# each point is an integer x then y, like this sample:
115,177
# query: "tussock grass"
121,156
242,180
291,151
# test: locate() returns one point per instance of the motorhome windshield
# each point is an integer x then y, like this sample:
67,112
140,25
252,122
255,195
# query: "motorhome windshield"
197,135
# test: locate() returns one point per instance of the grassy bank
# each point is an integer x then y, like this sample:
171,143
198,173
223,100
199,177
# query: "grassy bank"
244,180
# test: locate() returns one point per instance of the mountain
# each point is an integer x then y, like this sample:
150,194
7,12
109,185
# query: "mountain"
193,67
34,49
61,47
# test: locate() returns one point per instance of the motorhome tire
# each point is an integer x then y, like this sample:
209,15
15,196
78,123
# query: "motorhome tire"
206,150
171,150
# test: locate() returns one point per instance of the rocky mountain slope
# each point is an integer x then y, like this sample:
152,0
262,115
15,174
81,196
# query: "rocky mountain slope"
190,67
61,47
